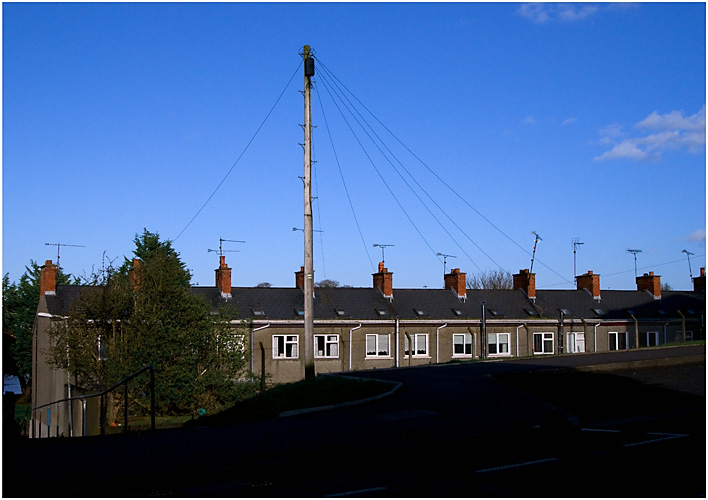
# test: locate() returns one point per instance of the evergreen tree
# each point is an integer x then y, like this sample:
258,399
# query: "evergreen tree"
145,314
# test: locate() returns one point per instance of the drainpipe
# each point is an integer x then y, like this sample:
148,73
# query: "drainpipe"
350,345
252,331
665,325
397,334
483,334
437,343
636,332
683,324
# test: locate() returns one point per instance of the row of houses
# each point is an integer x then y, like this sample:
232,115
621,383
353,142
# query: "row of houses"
386,327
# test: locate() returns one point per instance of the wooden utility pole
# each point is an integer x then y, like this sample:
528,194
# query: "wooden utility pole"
309,354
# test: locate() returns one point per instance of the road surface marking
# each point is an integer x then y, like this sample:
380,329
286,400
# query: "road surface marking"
523,464
356,492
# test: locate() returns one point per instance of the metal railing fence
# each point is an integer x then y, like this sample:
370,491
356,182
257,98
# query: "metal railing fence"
37,415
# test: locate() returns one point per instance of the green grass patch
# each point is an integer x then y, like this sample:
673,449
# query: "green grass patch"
322,391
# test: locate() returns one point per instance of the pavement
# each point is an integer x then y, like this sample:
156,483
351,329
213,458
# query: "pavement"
437,411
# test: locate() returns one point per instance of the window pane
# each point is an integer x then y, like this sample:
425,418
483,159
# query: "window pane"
278,345
503,343
537,342
548,344
383,345
421,344
458,344
371,345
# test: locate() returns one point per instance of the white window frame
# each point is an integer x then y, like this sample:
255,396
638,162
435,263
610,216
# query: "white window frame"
545,337
615,346
379,339
689,335
282,352
329,342
419,340
464,344
656,338
495,336
573,338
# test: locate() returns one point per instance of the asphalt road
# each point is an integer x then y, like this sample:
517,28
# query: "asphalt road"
514,428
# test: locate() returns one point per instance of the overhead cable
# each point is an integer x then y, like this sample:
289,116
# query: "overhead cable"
240,156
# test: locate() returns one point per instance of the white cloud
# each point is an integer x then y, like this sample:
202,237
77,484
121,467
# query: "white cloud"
699,236
530,120
569,121
541,13
672,131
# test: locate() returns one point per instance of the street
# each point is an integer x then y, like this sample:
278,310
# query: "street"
450,431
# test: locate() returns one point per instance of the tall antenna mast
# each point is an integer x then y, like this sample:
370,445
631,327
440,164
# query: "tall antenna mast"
59,245
382,246
576,244
221,250
635,252
309,353
535,241
688,255
445,256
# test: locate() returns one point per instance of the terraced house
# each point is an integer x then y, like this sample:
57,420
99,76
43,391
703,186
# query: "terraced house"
385,327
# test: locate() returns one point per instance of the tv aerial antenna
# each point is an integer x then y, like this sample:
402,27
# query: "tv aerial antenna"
445,256
59,245
221,249
576,244
688,255
535,242
383,247
635,252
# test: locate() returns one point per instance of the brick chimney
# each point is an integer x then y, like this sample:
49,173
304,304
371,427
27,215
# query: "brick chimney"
650,283
527,282
48,279
591,283
699,282
300,278
223,278
458,282
384,281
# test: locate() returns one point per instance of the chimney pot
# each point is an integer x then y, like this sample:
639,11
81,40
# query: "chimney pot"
223,278
48,279
384,281
590,282
300,278
527,282
650,283
699,282
457,281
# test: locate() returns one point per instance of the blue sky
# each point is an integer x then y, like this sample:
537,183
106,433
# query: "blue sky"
573,120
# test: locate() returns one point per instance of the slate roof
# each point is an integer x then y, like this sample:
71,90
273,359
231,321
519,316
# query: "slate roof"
434,304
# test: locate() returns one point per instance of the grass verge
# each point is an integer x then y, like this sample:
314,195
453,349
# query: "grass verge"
322,391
